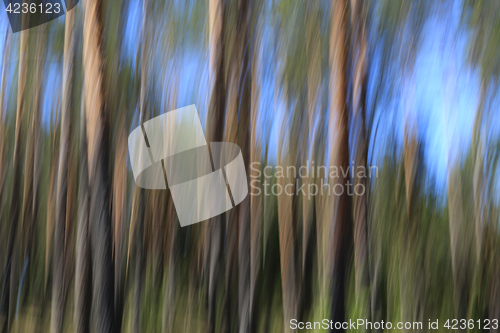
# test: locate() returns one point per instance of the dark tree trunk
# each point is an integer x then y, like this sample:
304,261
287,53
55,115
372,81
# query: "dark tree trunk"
83,273
8,285
360,187
58,291
215,132
340,226
98,151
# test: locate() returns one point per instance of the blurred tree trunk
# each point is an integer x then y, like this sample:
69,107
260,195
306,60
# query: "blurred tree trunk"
478,182
215,133
459,249
3,118
58,292
410,167
51,207
172,243
119,217
256,205
136,244
158,201
136,237
338,228
359,82
237,130
99,184
287,216
313,49
115,30
172,247
26,219
216,111
412,265
3,169
32,166
479,146
83,272
32,138
321,211
37,131
16,167
461,240
231,308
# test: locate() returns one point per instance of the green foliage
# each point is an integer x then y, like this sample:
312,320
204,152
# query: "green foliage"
481,18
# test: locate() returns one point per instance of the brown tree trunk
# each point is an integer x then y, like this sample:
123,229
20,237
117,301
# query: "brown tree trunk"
215,132
171,242
83,272
360,186
99,185
339,227
3,78
459,251
31,168
237,130
58,297
117,104
138,218
412,301
256,206
232,223
51,206
136,245
287,221
313,49
119,218
478,181
16,166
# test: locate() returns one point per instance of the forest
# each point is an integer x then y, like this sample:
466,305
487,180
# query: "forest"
394,102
